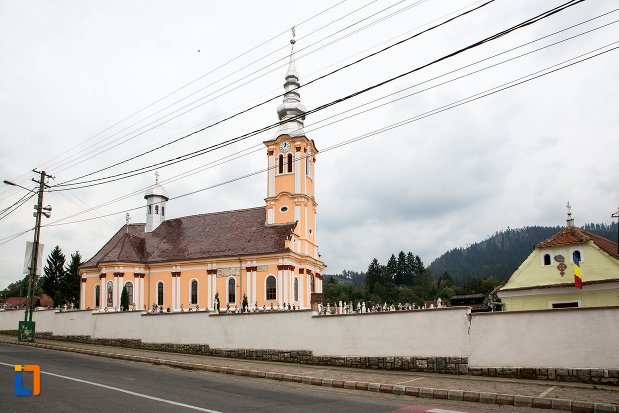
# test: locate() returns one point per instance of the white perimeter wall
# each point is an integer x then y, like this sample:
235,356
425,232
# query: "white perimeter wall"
566,338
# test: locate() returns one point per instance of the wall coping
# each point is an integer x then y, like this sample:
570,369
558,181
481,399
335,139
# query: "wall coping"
115,312
147,314
261,312
546,310
396,312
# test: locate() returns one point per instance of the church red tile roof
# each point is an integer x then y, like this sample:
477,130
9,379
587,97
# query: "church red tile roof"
219,234
575,235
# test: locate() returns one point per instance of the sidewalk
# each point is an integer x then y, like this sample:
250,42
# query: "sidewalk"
576,397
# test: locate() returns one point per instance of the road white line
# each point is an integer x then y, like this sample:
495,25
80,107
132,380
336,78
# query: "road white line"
548,390
408,381
145,396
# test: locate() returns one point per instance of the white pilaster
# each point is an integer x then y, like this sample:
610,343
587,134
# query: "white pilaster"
83,295
178,292
297,174
271,180
301,292
114,289
142,297
173,292
209,297
247,287
286,287
253,286
280,286
103,293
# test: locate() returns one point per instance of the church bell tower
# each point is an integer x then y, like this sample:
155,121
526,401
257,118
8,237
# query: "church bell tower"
291,161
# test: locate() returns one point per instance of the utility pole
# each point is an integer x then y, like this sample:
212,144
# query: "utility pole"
616,215
27,327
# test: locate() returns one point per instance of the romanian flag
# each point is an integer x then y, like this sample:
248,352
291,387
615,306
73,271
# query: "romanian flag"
577,274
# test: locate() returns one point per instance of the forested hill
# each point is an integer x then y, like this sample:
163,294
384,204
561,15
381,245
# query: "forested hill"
501,254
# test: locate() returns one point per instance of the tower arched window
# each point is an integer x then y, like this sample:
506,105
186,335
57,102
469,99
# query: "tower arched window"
97,296
231,290
194,292
296,289
156,209
546,259
281,164
160,293
312,284
150,209
162,211
289,162
129,287
271,288
307,165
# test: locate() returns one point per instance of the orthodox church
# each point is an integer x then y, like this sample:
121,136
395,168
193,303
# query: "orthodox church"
268,254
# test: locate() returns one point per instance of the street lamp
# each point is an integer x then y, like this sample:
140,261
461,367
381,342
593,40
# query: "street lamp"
27,327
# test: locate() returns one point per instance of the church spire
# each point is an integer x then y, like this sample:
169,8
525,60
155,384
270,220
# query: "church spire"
291,109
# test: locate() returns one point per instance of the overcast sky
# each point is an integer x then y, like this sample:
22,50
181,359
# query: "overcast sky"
73,72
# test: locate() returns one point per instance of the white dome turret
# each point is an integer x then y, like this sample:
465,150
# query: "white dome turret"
156,197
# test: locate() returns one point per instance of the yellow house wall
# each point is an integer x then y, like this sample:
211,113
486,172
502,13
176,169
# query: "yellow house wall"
595,265
543,301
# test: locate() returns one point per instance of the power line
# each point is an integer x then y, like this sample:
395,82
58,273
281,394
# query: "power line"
20,178
172,161
253,149
471,98
166,118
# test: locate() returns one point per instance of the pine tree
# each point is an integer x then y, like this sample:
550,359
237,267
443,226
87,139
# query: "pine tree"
400,273
372,277
70,283
54,273
409,277
124,299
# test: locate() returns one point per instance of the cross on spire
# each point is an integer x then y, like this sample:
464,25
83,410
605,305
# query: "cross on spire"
570,220
156,177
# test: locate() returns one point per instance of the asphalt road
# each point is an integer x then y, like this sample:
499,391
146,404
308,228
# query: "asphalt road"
79,383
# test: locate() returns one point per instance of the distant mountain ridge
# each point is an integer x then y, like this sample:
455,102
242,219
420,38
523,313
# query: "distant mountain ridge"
501,254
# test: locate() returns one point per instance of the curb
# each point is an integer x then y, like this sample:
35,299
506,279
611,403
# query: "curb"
421,392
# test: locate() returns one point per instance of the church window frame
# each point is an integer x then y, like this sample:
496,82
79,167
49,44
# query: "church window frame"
289,162
270,288
193,292
280,165
97,301
547,260
295,289
231,292
109,294
160,292
129,287
283,209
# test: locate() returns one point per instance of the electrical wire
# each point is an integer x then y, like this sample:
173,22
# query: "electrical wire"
172,161
313,127
471,98
166,118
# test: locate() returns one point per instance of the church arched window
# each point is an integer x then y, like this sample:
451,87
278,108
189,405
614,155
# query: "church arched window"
289,162
97,296
271,288
150,209
160,293
281,164
546,259
110,294
312,284
231,290
162,211
576,256
156,209
296,289
129,287
194,292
